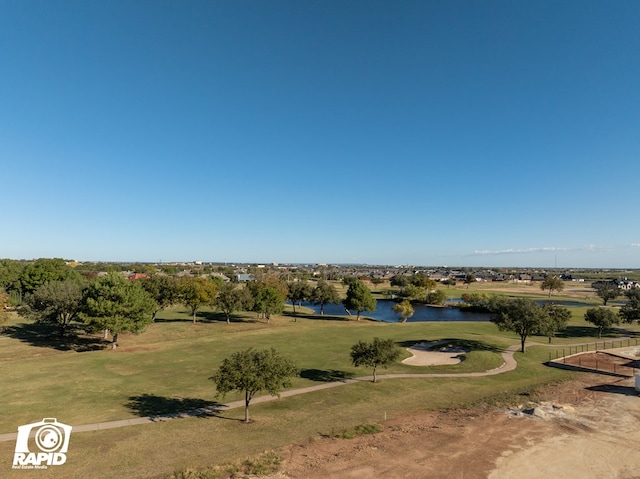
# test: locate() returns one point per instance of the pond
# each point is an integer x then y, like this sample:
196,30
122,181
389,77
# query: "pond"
384,312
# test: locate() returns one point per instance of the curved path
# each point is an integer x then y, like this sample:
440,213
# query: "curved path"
509,364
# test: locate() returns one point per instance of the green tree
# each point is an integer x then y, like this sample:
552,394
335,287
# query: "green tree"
521,316
230,299
359,298
552,283
118,305
468,279
324,293
45,270
601,318
196,293
4,305
556,320
415,293
268,301
436,296
163,289
449,282
404,309
607,291
401,281
57,302
298,291
630,311
379,352
251,371
421,280
10,273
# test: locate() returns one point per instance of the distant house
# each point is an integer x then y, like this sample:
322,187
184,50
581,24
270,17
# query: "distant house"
243,277
134,276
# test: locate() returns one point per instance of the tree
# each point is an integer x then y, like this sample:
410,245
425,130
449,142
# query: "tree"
10,272
552,283
601,318
376,282
324,293
379,352
413,292
449,282
116,304
631,310
421,280
230,299
163,289
251,371
404,309
268,301
4,304
436,296
401,281
45,270
556,320
521,316
58,303
607,291
197,292
468,279
359,298
298,291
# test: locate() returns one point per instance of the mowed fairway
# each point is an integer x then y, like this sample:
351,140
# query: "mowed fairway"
167,369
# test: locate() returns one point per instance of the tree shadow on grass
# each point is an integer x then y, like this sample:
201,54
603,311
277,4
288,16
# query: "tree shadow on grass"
161,407
318,317
45,335
586,332
326,375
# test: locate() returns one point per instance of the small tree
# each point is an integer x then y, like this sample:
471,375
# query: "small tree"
324,293
359,298
380,352
601,318
230,299
522,316
468,279
113,303
4,304
298,291
556,320
197,292
58,303
163,289
552,283
251,371
404,309
607,291
631,310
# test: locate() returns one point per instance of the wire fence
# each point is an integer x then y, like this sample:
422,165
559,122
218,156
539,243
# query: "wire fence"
598,359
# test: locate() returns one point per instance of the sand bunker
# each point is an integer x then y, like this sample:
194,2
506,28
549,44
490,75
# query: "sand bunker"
431,353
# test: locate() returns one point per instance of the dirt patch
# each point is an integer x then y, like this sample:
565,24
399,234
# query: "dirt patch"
595,429
603,361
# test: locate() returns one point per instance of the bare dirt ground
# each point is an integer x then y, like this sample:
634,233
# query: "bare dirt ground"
590,430
434,352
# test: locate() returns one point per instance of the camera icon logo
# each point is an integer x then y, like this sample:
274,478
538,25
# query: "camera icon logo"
41,444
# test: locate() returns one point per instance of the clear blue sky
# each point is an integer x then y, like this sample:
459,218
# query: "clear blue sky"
458,133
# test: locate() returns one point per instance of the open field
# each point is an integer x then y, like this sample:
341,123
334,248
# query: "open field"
166,368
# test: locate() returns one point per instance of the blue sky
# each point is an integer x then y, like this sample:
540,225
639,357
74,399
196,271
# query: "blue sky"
458,133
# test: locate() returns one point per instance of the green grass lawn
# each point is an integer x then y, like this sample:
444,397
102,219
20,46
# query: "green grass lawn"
167,368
